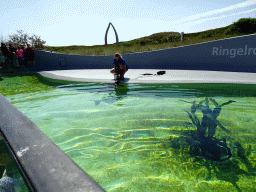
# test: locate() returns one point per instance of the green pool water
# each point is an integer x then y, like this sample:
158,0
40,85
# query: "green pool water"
120,136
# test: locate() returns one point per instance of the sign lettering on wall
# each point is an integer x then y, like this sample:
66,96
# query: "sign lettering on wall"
232,53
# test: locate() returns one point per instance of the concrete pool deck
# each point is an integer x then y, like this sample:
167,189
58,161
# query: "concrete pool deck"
136,76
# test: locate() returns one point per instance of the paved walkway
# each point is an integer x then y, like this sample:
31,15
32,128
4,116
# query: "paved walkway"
150,76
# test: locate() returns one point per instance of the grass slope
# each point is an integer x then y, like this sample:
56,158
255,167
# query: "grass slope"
157,41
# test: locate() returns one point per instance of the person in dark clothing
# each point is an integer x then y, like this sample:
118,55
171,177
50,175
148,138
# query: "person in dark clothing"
120,67
20,54
4,50
6,53
12,54
29,55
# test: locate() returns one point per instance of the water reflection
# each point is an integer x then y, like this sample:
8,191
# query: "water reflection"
167,90
120,92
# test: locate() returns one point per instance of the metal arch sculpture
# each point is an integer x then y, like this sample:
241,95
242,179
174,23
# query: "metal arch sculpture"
117,41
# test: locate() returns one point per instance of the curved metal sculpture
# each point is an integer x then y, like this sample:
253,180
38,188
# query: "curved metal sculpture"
117,41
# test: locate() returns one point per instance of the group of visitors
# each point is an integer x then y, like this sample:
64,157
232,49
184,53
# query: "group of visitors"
14,57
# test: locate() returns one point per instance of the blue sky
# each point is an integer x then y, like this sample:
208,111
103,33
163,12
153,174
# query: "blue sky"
84,22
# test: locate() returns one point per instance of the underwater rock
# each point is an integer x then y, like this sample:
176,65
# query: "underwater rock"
238,150
178,142
135,134
249,150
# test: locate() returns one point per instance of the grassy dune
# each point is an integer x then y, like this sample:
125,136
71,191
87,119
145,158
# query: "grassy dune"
159,41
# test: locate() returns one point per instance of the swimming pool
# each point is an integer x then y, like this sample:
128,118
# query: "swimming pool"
121,135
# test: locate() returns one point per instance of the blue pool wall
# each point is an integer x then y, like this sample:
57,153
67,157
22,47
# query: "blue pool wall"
236,54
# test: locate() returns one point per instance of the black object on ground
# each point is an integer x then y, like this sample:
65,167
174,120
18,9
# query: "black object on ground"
147,74
160,72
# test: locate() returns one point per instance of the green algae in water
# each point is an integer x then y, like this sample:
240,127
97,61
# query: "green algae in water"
20,83
119,136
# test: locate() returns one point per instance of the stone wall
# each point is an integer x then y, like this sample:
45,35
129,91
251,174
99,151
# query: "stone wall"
43,165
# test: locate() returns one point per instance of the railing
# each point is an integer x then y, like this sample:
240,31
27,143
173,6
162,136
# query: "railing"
43,166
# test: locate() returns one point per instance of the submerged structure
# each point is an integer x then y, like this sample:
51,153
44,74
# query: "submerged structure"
207,147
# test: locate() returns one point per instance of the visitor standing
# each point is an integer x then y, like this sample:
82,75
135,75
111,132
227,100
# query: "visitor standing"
20,54
6,54
29,55
12,54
